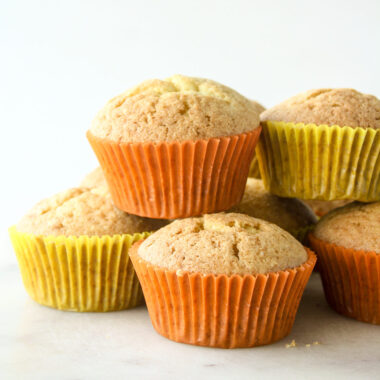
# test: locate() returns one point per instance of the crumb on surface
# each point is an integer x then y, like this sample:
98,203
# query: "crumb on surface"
292,344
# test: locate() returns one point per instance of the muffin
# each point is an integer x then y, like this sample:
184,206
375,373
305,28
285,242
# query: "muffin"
321,208
322,144
254,170
347,242
290,214
73,248
222,280
177,147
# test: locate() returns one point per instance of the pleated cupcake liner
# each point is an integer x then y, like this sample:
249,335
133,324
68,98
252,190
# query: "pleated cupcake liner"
311,161
78,273
171,180
254,170
222,311
351,280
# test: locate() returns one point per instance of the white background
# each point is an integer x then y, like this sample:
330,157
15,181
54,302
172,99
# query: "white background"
62,60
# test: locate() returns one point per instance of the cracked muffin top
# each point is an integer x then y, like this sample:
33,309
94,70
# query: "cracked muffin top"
82,211
340,106
291,214
175,109
355,226
222,244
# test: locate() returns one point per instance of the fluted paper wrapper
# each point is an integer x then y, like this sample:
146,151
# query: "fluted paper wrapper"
320,162
222,311
176,179
78,273
351,280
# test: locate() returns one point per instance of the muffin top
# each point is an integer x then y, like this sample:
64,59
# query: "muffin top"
291,214
340,106
323,207
82,211
95,179
259,108
222,244
175,109
356,226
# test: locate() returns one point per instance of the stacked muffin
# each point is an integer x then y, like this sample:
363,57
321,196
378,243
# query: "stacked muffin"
324,146
222,280
230,272
72,250
176,148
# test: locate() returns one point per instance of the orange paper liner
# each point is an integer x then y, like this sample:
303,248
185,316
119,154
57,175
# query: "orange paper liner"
351,280
219,310
176,179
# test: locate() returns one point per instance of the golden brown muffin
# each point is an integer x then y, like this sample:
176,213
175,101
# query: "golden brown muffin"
259,108
341,106
355,226
291,214
323,207
176,109
82,211
322,144
223,243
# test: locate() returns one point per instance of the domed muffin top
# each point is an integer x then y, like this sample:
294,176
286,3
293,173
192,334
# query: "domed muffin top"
340,106
291,214
176,109
82,211
259,108
355,226
222,244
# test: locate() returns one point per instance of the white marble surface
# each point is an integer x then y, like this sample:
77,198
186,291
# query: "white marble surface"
41,343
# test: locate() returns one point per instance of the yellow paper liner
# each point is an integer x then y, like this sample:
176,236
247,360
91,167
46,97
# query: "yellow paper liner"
176,179
351,280
222,311
78,273
320,162
254,170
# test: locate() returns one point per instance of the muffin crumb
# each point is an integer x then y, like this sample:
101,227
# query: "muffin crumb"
292,344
